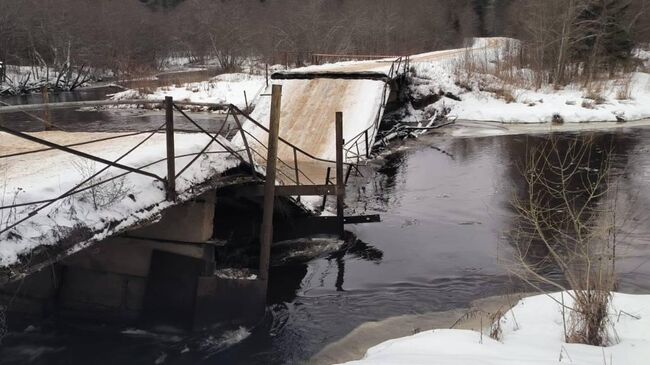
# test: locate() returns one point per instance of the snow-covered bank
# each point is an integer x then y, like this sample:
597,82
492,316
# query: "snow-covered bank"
485,97
532,333
464,128
27,79
222,89
100,211
355,344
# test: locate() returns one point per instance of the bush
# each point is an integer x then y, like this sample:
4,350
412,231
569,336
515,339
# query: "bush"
565,238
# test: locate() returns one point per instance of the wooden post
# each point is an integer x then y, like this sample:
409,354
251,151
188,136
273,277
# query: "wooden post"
267,75
246,102
340,186
171,156
46,110
295,161
327,182
266,236
367,145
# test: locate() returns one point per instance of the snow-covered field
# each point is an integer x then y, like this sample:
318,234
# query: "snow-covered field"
484,97
222,89
102,211
532,333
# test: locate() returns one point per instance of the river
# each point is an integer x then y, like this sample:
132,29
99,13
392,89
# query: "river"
446,214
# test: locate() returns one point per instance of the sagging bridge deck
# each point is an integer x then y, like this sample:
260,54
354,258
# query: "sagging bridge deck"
272,166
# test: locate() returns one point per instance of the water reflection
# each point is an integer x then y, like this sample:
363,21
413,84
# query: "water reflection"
567,190
438,247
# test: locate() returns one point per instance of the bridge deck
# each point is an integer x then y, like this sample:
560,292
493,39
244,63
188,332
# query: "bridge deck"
29,181
312,95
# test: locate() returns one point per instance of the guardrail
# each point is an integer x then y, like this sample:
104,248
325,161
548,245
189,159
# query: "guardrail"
365,139
251,154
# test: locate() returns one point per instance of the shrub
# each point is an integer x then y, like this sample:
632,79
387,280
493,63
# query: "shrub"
565,237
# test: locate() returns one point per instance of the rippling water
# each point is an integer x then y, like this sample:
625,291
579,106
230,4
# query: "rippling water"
445,213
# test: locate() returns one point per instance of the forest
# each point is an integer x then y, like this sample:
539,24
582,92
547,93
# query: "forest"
136,37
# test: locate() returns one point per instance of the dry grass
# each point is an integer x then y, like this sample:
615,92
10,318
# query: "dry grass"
496,332
514,67
103,195
624,88
588,320
486,68
504,92
594,91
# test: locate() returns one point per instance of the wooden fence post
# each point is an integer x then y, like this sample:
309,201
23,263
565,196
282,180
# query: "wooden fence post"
367,144
340,186
266,236
171,155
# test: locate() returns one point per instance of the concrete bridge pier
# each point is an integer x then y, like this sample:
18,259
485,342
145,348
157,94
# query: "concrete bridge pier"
160,274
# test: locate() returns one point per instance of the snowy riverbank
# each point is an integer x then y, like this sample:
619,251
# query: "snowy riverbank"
222,89
532,333
473,94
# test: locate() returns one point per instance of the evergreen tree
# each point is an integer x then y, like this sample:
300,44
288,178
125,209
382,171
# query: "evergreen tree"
604,36
161,4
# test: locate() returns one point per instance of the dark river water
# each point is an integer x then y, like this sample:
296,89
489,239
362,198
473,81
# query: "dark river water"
445,208
96,120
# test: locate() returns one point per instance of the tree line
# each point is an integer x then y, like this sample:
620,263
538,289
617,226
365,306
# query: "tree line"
137,36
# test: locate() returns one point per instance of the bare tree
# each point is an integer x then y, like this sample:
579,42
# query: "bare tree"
566,236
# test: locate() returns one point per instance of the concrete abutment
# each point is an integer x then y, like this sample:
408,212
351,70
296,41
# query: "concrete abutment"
161,274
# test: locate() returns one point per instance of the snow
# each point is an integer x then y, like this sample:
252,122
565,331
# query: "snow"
541,106
532,334
308,113
611,100
222,89
235,274
126,201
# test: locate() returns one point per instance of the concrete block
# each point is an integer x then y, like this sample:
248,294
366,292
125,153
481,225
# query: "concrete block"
100,296
129,256
188,222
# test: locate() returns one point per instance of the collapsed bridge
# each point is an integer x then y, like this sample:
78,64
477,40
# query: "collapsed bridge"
168,220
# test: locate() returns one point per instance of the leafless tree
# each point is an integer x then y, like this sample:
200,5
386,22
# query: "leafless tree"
566,236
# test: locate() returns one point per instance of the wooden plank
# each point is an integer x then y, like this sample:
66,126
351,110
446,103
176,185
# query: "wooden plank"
280,190
360,219
340,185
171,158
359,75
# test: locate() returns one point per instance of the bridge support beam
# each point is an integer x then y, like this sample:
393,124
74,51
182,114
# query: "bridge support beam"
171,156
340,184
